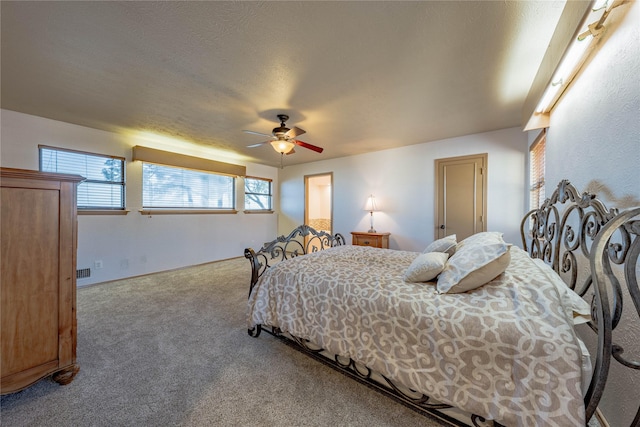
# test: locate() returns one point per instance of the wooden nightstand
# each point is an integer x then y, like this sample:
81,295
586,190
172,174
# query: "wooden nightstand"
375,240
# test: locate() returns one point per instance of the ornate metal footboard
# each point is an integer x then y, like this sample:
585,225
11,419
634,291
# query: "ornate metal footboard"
596,251
301,241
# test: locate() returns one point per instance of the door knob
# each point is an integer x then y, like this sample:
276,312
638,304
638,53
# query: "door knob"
442,227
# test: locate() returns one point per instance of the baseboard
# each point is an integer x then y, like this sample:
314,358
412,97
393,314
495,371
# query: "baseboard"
106,282
601,419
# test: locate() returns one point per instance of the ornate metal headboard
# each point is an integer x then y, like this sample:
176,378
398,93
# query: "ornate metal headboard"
595,250
300,241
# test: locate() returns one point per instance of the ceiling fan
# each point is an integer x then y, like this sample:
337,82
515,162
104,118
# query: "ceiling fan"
282,138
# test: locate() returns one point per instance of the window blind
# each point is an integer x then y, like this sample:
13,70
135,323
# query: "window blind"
178,188
257,194
537,171
103,187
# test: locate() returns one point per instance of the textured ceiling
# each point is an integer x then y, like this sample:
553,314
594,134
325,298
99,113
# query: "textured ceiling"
357,76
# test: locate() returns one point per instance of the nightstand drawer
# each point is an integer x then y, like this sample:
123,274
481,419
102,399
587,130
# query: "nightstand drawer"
375,240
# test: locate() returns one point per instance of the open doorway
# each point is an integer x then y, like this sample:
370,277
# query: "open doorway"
318,208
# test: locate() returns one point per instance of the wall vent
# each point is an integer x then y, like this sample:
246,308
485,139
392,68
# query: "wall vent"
83,273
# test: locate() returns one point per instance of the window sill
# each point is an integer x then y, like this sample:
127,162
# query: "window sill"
266,211
103,211
185,211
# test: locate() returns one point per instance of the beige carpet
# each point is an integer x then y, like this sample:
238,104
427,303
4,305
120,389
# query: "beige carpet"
172,349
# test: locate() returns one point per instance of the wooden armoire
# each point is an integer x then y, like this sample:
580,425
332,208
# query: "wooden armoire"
38,277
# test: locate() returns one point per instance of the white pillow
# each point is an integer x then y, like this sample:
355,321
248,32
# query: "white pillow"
426,267
478,259
446,244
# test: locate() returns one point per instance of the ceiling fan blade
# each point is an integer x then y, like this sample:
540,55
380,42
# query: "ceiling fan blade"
258,144
309,146
258,133
295,131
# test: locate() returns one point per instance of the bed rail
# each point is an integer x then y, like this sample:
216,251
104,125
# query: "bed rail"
596,251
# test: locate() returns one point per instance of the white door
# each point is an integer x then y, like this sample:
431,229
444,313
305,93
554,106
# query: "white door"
461,207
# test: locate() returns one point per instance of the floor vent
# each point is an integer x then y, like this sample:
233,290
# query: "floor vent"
83,273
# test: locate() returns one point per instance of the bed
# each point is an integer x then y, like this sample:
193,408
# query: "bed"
476,332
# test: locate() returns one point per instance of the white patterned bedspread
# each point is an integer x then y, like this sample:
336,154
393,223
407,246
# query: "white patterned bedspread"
505,351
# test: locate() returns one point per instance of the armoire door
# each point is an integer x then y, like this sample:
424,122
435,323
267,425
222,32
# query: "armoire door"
37,277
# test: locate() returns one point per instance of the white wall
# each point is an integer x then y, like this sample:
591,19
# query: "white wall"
594,132
134,244
402,180
594,141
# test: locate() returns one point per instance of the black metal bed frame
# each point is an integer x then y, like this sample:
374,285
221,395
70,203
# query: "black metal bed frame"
571,230
575,233
301,241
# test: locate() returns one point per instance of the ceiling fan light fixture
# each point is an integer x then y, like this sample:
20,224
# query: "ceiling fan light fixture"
282,138
282,146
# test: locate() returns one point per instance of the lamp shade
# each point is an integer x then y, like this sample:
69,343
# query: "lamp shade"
282,146
371,205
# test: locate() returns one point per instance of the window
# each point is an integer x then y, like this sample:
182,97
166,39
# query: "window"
103,187
178,188
536,171
257,194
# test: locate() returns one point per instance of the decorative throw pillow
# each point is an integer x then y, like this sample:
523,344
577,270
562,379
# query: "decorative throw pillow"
482,238
478,259
446,245
426,267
